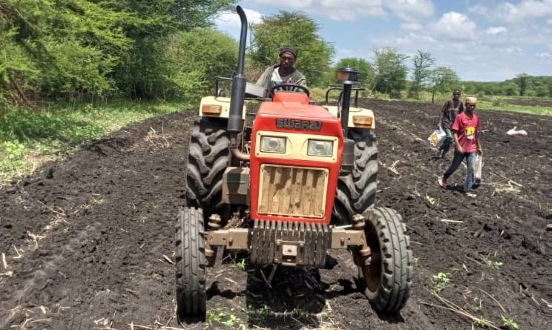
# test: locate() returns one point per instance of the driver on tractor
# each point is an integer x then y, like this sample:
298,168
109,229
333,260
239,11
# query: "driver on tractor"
282,73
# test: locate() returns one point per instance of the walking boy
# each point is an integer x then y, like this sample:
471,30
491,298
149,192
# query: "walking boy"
465,130
450,110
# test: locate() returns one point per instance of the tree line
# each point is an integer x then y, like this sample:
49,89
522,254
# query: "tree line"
170,49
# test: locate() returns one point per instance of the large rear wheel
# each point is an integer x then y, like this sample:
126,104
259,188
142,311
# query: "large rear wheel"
191,297
208,157
388,275
356,190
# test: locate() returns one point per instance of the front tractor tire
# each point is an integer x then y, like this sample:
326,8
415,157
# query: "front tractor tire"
387,277
191,299
356,190
208,157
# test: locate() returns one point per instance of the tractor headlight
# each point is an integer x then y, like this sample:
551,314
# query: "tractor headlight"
320,148
273,144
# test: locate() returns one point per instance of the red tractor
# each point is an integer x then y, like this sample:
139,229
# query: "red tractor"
287,183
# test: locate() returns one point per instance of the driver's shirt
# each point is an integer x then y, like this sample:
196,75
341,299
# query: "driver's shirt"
278,79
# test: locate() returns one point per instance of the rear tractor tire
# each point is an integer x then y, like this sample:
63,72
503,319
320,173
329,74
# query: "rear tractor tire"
191,299
388,277
208,156
356,191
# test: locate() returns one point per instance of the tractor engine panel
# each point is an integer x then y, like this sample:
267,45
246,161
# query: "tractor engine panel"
295,161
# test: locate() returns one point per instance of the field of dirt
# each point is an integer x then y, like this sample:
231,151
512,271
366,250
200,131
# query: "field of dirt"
531,102
88,241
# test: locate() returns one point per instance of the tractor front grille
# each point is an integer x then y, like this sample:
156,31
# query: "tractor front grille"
293,191
289,243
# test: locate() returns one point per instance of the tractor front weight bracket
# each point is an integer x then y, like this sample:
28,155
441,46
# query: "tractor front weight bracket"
290,244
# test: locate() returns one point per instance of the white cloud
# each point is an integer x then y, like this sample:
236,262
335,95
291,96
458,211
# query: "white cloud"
454,25
517,13
231,20
513,50
496,30
339,10
483,42
478,9
351,10
412,26
411,10
544,55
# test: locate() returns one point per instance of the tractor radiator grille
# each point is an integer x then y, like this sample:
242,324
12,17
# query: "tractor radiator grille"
293,191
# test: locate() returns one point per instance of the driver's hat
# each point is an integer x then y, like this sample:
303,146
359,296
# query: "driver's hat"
290,49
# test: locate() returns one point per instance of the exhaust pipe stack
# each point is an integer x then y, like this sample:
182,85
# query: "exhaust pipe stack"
347,77
238,84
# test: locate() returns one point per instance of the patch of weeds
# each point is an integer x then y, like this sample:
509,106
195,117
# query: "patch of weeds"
482,323
431,200
46,209
440,282
476,305
259,314
509,323
222,318
415,260
494,264
28,138
497,101
300,312
241,264
97,201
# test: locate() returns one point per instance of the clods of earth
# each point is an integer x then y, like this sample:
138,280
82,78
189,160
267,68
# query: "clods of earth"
87,242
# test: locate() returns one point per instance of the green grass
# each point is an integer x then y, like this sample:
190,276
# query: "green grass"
490,103
30,137
534,110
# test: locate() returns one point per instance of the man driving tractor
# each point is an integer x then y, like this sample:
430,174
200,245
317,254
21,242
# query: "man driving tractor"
284,72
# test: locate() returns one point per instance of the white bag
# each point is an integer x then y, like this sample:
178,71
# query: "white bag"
477,169
437,137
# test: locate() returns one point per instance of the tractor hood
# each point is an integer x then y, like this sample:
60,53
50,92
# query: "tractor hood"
297,117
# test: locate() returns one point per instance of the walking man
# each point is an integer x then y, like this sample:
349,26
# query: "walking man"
450,110
465,131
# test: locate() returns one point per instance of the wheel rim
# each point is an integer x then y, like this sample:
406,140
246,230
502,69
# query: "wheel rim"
372,272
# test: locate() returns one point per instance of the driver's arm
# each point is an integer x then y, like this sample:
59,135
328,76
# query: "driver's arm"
264,79
301,79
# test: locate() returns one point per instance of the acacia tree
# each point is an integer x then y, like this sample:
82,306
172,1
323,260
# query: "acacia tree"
76,47
522,81
291,28
442,79
391,72
194,76
422,62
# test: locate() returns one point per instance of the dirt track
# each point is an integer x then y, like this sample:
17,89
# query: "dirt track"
88,241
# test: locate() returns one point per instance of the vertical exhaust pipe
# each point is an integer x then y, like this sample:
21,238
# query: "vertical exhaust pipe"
238,82
347,77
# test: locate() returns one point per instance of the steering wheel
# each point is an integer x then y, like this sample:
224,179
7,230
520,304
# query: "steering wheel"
290,88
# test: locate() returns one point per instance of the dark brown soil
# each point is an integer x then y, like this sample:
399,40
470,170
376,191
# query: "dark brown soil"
88,242
531,102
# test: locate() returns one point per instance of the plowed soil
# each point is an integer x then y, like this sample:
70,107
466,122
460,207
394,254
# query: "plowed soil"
88,241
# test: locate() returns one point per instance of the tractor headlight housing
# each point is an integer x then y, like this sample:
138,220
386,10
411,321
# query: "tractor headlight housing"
320,148
273,144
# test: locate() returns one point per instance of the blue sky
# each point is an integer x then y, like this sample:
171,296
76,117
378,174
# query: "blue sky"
482,40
